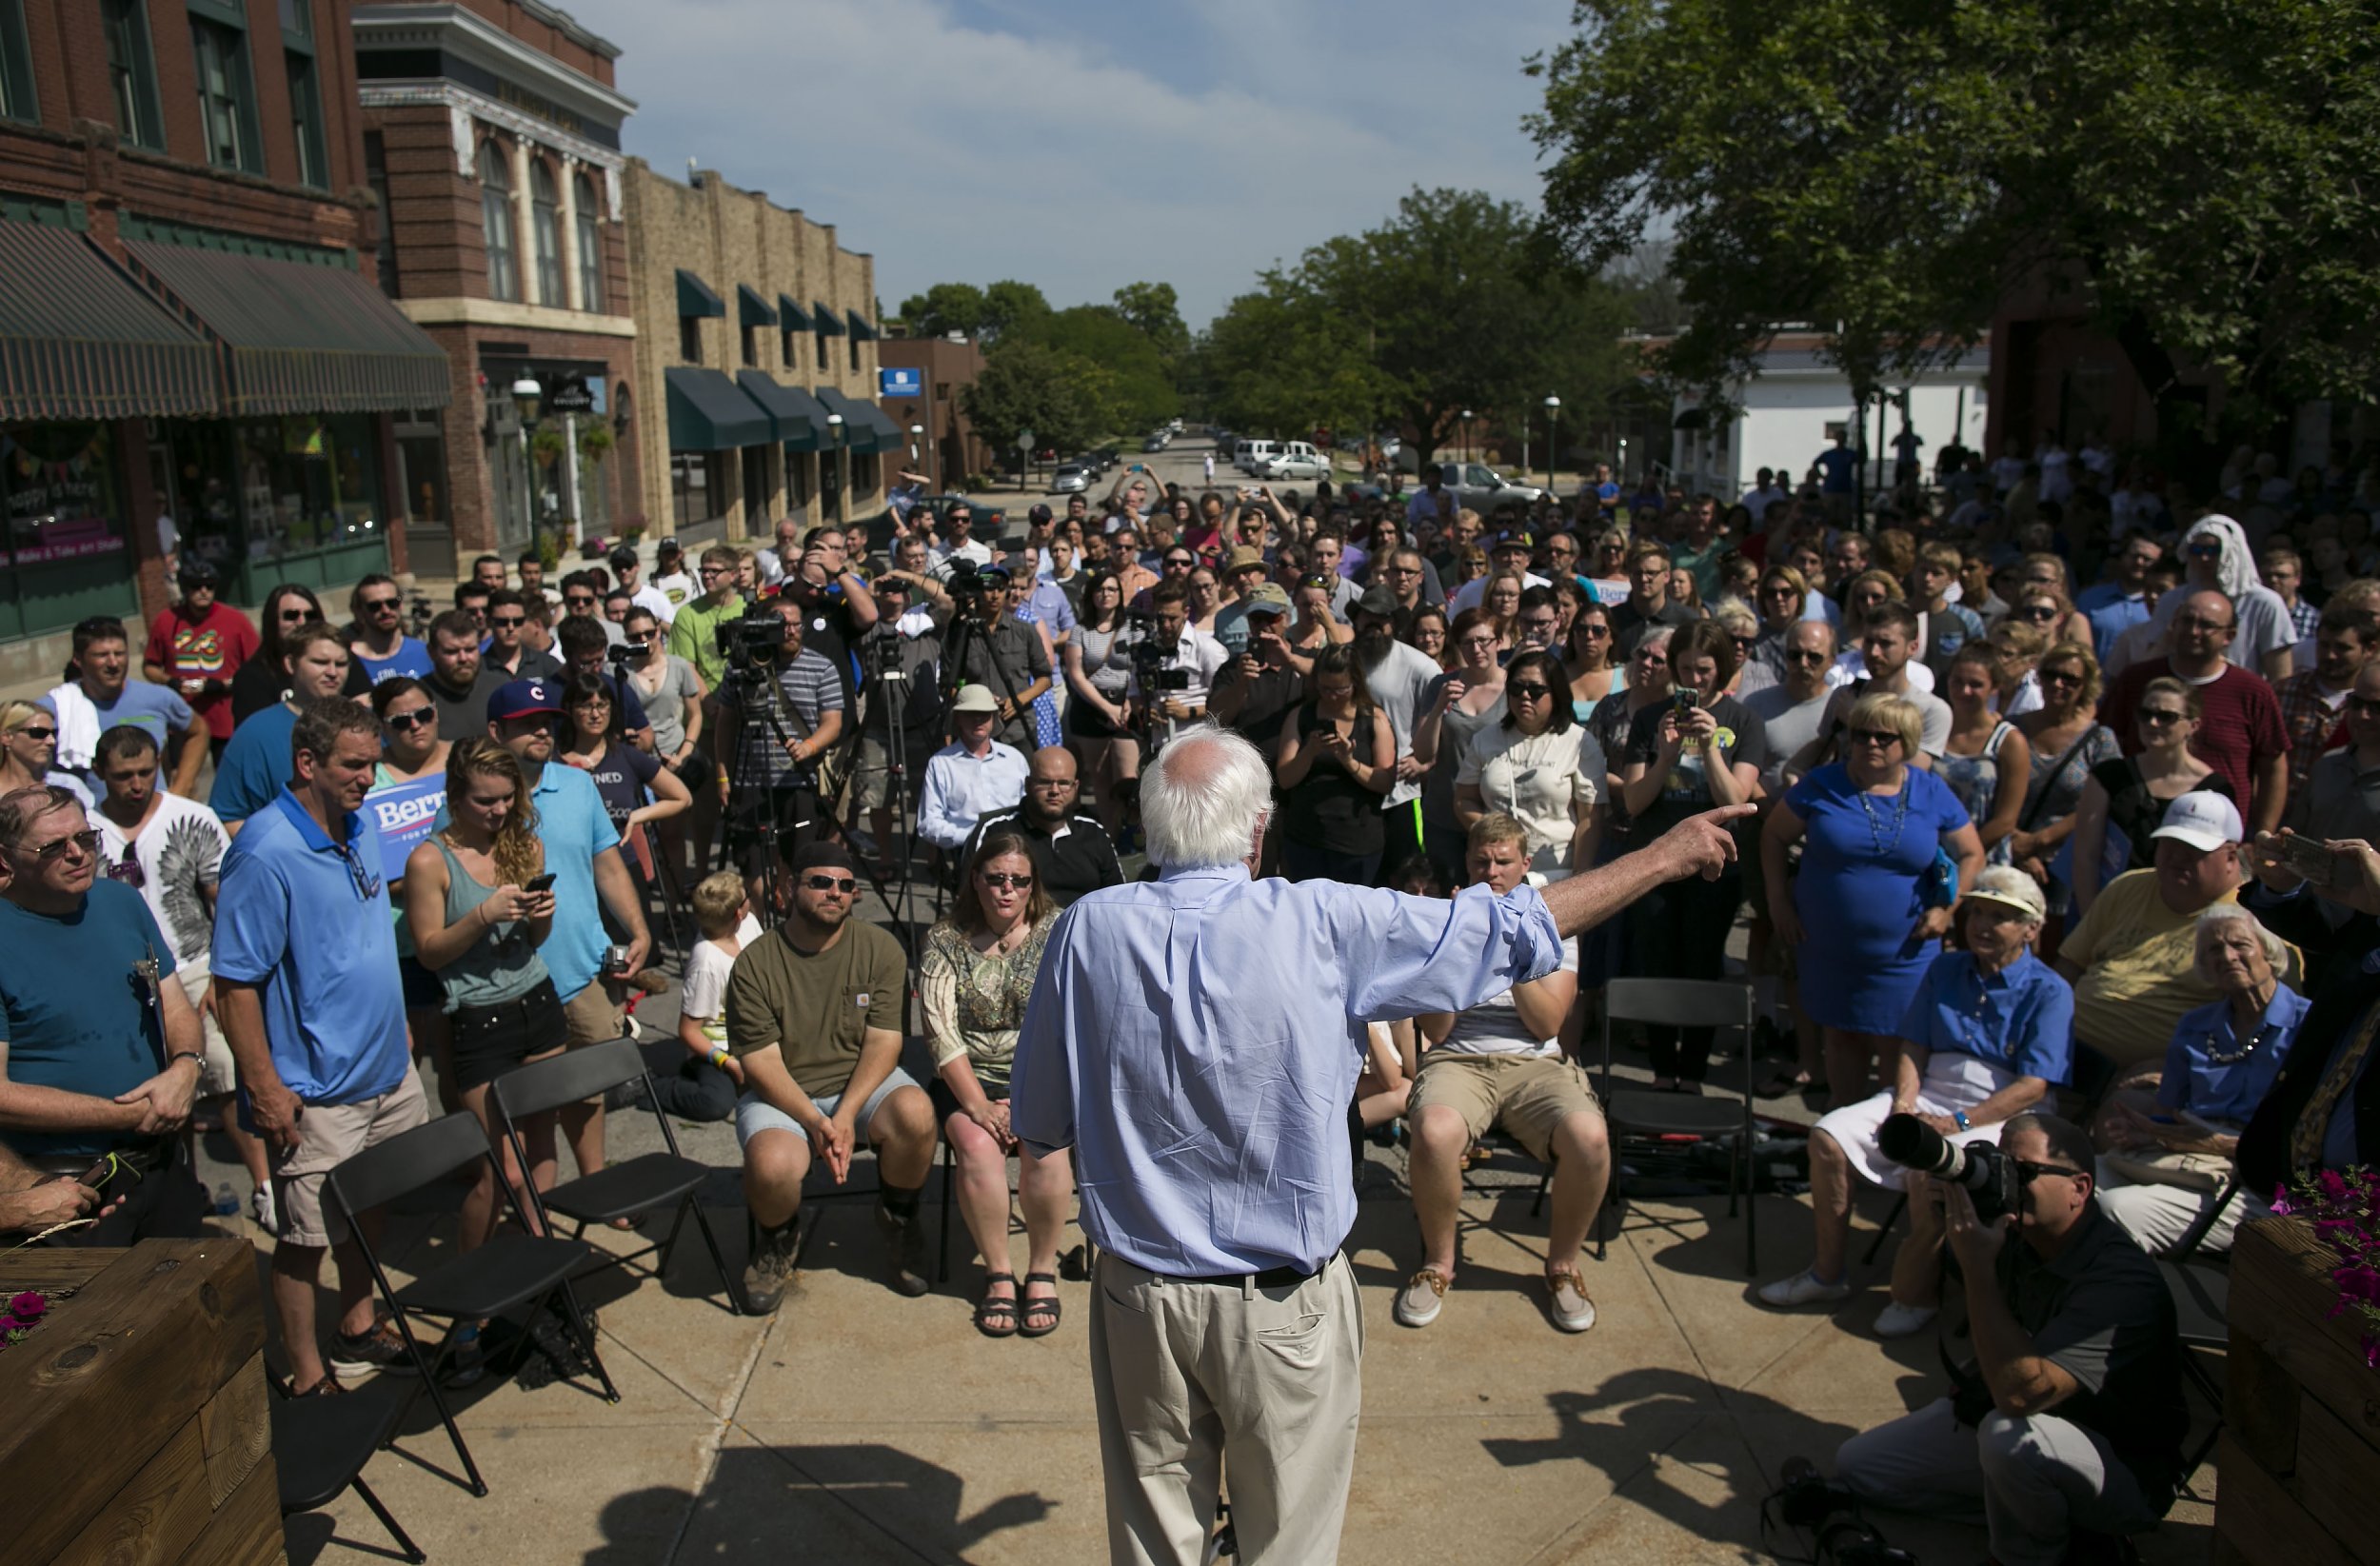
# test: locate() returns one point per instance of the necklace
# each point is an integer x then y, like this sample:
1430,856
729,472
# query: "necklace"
1875,826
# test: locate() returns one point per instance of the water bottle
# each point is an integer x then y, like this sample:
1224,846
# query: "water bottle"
227,1202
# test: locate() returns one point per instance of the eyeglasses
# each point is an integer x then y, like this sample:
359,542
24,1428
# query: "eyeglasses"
1528,690
1539,623
1478,641
2036,611
1001,880
1595,629
2061,677
411,720
85,842
2159,717
506,621
2199,622
2027,1169
844,884
715,570
32,733
1882,739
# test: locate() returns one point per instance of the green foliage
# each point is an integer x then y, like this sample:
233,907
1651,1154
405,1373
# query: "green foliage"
1441,309
1138,393
1024,385
1156,310
979,312
2195,176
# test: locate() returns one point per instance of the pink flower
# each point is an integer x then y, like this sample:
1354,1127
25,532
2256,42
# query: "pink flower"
27,1308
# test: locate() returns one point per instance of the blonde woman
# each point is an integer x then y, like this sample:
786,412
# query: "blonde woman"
28,748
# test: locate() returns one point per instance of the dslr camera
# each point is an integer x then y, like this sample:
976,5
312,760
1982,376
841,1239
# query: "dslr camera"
1992,1180
1152,661
627,653
1827,1510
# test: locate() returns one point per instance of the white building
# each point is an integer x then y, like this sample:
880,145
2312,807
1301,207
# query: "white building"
1795,404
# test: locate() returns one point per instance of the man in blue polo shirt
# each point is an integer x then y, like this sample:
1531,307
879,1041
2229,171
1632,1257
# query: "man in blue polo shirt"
583,854
307,993
100,1051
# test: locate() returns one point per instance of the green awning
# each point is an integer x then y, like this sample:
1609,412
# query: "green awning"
751,309
791,316
695,297
801,423
709,414
859,328
80,340
301,336
824,322
865,427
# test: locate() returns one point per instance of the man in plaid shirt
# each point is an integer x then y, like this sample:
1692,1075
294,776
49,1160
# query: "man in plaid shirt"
2284,573
2345,638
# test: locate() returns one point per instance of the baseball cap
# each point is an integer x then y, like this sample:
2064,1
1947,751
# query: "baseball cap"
1519,537
668,549
622,557
2204,819
520,698
1241,558
1266,597
1377,601
975,699
1039,513
194,571
2010,887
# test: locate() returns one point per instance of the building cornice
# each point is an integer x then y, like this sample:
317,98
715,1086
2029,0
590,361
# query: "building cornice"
464,107
469,36
462,310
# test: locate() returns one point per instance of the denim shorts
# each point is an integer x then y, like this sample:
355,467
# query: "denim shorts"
754,1115
490,1040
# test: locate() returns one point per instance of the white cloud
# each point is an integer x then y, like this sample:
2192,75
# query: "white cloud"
1073,150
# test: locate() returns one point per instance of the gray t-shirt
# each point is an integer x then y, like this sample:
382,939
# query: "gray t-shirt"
1401,683
666,703
1493,1026
1789,724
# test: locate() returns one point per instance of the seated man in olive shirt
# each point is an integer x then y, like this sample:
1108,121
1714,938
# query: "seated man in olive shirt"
814,1015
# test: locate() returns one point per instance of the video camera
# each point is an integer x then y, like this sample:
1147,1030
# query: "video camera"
1992,1180
750,640
1152,661
628,653
1829,1512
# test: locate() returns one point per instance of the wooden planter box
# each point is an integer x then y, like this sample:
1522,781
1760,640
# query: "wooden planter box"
2300,1455
136,1427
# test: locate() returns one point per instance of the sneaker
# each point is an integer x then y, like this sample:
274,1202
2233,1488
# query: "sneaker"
261,1207
1804,1288
1900,1320
905,1239
468,1362
1421,1300
770,1271
379,1349
1572,1310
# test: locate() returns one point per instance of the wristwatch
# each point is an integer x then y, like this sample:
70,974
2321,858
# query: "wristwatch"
1960,1115
191,1055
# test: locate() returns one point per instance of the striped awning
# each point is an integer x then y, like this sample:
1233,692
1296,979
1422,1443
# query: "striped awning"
81,340
301,337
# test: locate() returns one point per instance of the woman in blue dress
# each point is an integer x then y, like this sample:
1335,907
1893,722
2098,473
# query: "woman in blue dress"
1870,827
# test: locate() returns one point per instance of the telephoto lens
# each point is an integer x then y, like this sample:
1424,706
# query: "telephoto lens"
1989,1178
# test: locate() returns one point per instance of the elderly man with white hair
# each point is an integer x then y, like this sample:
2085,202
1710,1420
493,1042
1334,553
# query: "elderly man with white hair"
1988,1033
1196,1040
2165,1158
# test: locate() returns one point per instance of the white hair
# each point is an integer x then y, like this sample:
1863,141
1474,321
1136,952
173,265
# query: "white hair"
1204,801
2214,916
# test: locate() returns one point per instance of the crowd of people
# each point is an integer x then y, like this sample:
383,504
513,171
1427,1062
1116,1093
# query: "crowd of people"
2009,774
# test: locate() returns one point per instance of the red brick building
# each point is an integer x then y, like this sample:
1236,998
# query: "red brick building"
942,368
491,134
189,325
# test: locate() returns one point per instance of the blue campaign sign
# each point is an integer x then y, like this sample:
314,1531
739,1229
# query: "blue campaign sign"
900,382
404,813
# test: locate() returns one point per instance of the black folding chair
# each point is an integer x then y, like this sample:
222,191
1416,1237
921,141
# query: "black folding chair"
1642,1113
512,1269
643,1184
320,1446
2202,1300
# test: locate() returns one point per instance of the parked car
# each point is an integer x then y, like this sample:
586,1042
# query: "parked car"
1296,460
1070,479
1486,492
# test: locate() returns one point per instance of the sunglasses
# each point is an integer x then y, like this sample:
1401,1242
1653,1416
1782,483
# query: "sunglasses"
2159,717
32,733
2206,551
2027,1169
365,880
1811,656
411,720
505,622
1001,880
1529,690
86,842
1591,628
374,606
296,617
2061,677
1882,738
2037,612
581,600
844,884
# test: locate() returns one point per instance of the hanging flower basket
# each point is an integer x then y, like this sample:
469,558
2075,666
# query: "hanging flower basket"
595,440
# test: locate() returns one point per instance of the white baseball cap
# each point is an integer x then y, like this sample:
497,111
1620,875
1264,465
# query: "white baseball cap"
2204,819
2010,887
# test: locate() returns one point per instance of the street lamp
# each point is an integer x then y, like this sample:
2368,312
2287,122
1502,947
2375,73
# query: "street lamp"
833,428
1466,434
1553,452
917,448
526,393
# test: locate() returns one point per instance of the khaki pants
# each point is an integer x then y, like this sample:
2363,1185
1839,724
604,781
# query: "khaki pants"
1195,1380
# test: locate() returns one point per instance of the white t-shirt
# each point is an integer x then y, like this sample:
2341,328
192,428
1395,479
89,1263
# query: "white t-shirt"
703,998
1493,1026
1537,779
179,851
652,596
677,587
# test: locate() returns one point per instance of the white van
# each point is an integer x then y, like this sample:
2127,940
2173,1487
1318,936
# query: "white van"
1251,456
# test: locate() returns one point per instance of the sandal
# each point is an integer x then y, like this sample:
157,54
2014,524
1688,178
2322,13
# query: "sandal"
1047,1306
996,1318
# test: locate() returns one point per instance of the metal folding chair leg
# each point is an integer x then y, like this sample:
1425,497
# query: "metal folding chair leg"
1900,1205
411,1551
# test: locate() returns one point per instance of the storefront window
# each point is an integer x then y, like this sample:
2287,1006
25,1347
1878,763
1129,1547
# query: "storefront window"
695,488
307,482
63,499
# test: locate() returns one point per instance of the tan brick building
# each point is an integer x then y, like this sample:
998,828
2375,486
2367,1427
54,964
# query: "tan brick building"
491,134
756,365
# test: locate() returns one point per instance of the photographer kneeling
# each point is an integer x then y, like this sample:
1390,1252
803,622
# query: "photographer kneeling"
2070,1417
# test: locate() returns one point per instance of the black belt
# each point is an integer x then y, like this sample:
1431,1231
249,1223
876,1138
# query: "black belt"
146,1157
1272,1278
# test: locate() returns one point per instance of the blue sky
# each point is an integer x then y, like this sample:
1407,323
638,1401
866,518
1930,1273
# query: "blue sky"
1080,146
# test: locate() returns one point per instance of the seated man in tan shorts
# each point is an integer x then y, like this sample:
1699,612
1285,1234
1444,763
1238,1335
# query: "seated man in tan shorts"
1500,1063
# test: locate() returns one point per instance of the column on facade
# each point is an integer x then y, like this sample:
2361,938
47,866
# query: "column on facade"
524,220
568,195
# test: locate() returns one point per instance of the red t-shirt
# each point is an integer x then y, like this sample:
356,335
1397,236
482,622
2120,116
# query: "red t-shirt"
211,647
2241,725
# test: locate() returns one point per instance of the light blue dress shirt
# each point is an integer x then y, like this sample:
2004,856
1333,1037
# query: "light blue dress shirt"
961,788
1196,1040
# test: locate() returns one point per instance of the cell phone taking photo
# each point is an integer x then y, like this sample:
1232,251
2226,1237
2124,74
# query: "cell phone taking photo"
2310,859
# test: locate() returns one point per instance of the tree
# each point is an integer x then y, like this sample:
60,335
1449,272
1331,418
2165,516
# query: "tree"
1061,397
1155,310
945,308
1139,393
2194,173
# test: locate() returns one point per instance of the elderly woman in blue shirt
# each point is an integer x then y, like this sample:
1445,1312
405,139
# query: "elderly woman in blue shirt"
1988,1033
2218,1066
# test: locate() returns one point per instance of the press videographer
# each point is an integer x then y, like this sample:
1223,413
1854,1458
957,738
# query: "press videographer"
991,647
1174,670
783,710
2069,1421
